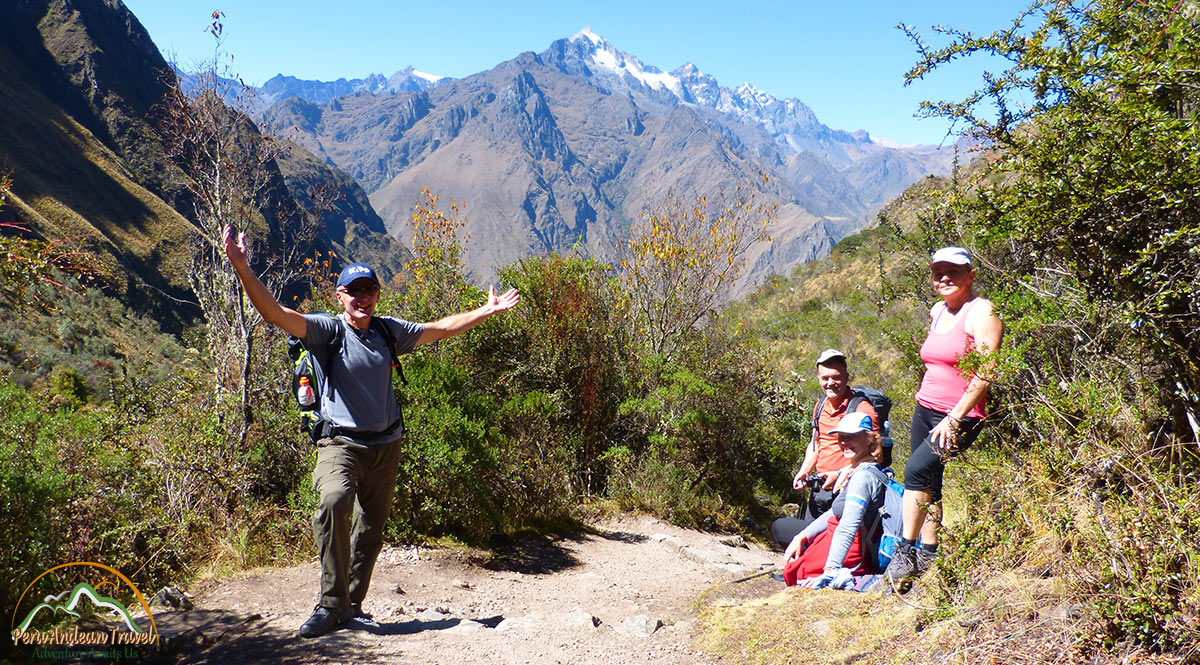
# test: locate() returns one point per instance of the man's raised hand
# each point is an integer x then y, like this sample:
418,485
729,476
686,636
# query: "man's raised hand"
235,248
504,302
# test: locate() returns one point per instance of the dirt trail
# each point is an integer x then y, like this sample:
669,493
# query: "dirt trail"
621,594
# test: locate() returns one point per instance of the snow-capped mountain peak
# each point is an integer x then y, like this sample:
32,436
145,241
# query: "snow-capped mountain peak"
432,78
749,92
587,34
607,57
789,119
889,143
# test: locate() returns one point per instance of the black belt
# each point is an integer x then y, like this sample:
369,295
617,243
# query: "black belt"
325,430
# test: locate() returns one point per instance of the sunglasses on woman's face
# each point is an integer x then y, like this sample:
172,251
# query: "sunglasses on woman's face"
939,273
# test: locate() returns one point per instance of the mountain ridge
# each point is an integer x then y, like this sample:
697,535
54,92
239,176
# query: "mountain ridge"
566,146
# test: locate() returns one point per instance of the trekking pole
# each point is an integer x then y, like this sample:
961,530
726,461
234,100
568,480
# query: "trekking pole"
750,577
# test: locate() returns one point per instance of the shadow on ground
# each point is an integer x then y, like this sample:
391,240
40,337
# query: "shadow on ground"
416,626
533,555
217,637
537,554
622,537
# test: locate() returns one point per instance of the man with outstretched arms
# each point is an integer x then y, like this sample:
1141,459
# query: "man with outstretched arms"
358,443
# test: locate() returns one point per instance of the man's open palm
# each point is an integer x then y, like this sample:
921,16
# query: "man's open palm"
504,302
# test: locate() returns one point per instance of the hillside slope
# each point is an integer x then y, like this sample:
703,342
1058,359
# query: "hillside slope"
81,80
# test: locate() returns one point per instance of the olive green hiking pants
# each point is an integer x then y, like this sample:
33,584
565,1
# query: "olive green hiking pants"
355,484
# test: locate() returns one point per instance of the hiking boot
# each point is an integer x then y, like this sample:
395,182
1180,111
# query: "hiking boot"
925,559
322,621
904,563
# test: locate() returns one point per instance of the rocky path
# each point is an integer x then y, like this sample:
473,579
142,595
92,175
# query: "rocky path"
621,594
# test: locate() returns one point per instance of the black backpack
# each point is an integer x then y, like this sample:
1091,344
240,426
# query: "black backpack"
883,408
307,364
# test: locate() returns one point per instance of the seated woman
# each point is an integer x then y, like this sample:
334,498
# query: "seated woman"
837,545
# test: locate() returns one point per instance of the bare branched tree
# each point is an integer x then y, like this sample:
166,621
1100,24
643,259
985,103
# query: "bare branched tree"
233,180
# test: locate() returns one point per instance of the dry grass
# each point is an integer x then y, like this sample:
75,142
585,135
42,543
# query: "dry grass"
1014,620
268,537
1024,607
803,626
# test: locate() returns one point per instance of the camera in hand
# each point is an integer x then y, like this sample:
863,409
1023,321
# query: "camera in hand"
814,483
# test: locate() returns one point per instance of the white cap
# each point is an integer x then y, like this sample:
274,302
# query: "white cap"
853,423
956,255
830,354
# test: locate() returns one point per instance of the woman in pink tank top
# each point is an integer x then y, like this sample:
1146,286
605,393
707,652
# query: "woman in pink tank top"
950,405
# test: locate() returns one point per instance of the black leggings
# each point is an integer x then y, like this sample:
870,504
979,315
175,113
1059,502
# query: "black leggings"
924,469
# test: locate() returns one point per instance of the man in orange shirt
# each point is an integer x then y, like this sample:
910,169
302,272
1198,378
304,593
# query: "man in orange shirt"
823,458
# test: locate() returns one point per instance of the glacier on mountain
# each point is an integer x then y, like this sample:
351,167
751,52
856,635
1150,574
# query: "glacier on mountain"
787,118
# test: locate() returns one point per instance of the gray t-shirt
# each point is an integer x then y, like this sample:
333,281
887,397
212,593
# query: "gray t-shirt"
357,394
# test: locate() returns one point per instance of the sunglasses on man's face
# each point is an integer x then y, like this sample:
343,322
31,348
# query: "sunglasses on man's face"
360,291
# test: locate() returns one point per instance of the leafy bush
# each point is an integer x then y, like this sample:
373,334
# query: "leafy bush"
570,343
452,475
1085,217
35,490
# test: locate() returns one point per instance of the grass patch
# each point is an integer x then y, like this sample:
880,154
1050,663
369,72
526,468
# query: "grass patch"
804,626
1015,617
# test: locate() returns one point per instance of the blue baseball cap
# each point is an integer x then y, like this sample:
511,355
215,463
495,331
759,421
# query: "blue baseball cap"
356,271
853,423
956,255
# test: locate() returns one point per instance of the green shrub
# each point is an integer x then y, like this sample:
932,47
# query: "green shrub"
35,493
568,340
452,473
661,484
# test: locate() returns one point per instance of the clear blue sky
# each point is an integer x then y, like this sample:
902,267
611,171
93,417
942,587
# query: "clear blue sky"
845,60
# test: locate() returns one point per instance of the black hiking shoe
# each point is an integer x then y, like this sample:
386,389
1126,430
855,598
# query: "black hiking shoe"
904,563
322,621
925,559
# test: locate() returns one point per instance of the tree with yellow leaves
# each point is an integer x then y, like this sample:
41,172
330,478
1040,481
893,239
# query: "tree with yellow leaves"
682,258
436,268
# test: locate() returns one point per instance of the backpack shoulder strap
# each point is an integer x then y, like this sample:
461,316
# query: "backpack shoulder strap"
817,412
385,331
339,333
379,325
888,479
333,348
876,471
339,337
